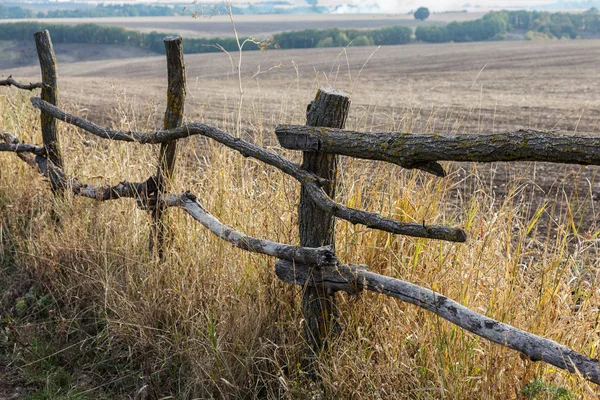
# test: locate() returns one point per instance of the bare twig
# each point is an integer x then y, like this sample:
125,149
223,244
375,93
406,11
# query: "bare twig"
12,82
312,183
353,278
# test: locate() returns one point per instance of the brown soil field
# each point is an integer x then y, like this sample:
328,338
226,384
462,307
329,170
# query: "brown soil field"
21,53
261,26
472,88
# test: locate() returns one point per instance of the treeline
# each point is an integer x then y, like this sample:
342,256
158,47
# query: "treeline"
15,12
489,26
111,10
335,37
554,25
494,25
98,34
150,10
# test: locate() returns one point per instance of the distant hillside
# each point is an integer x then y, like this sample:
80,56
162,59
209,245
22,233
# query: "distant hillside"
150,10
570,5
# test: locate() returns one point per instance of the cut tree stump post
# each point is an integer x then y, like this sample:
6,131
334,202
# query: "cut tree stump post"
173,119
45,51
328,109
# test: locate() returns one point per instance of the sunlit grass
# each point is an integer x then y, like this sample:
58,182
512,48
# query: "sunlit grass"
212,321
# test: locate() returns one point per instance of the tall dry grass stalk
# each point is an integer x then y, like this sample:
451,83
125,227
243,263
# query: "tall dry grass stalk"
212,321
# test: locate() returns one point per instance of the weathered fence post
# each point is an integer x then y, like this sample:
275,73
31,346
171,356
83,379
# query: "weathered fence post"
328,109
173,119
49,93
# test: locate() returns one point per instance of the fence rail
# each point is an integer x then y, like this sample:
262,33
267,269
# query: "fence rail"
314,264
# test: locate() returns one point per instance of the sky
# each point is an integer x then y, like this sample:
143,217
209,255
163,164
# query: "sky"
402,6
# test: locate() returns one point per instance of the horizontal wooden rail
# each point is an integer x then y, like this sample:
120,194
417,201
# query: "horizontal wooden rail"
418,150
12,82
17,147
36,158
353,278
312,183
322,256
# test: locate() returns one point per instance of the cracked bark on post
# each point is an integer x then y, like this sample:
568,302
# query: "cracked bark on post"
328,109
173,119
49,93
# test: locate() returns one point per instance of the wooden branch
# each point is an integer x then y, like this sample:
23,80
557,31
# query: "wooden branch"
319,255
295,137
376,221
353,278
12,82
35,156
172,119
12,144
311,182
412,150
50,94
323,255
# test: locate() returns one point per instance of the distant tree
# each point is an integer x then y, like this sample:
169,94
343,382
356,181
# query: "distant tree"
391,35
327,42
363,41
422,13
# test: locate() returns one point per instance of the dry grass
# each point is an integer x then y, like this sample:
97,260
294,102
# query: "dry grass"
212,321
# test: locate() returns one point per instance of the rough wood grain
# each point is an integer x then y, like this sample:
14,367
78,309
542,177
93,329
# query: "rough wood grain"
12,82
412,150
316,224
353,278
312,183
173,118
314,142
49,93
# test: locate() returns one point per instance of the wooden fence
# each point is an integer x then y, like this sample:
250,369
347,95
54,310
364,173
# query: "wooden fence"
313,264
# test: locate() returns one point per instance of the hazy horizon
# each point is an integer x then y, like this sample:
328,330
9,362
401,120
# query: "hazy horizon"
349,6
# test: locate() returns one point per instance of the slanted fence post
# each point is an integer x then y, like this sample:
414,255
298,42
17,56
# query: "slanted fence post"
173,119
328,109
45,51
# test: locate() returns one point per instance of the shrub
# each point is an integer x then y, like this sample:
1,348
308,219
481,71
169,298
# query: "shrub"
327,42
363,41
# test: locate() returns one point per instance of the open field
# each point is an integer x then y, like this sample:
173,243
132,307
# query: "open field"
214,322
261,26
474,87
22,53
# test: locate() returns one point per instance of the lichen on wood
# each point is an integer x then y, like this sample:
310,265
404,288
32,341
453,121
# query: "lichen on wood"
173,118
420,150
49,94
